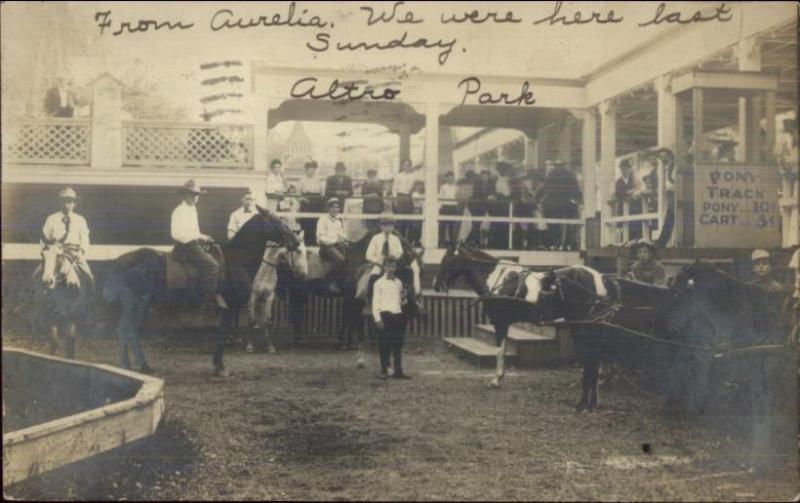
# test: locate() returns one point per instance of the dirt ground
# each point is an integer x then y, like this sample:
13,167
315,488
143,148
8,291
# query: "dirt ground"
307,424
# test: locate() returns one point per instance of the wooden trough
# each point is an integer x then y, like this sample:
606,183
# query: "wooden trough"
58,411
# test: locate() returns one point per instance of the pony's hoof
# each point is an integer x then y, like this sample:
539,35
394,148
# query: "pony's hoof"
250,348
361,363
271,349
222,373
494,384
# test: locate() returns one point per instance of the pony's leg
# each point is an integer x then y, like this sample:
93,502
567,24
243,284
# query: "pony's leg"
53,342
252,320
267,322
585,385
219,345
72,339
501,332
594,386
500,367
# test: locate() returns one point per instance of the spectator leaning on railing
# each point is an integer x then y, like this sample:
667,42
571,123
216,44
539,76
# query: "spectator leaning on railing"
483,187
560,197
311,200
499,206
402,186
447,206
275,184
627,189
372,193
339,185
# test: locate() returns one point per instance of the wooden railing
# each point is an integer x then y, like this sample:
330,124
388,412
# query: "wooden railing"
448,316
187,145
47,141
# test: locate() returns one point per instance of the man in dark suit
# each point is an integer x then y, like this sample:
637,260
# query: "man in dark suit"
560,197
59,101
339,185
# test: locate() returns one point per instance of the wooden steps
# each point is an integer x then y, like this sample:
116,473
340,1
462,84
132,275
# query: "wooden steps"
528,345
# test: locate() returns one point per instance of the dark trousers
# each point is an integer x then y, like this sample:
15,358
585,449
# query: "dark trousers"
194,254
561,236
477,209
391,339
448,230
313,204
498,232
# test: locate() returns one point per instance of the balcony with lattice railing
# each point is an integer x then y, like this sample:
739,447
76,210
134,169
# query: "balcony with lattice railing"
47,141
150,144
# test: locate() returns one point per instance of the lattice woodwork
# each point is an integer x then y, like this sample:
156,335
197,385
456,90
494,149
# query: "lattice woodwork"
47,142
223,146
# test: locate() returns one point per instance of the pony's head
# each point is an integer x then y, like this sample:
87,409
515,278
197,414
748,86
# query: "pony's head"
57,269
461,259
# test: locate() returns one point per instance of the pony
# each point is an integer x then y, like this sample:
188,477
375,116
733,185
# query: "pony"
512,293
60,285
265,285
144,271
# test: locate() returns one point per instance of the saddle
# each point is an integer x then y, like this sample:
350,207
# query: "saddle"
181,275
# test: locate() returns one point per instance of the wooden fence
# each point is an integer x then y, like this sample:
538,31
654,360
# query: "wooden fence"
448,316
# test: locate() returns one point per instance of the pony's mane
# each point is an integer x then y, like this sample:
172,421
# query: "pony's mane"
477,254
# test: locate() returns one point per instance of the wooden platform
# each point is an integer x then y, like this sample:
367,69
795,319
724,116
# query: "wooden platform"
58,411
528,345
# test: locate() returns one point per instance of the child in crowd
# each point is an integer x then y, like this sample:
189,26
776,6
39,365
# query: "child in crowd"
761,272
647,268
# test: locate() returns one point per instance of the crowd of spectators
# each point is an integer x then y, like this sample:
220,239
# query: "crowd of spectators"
508,192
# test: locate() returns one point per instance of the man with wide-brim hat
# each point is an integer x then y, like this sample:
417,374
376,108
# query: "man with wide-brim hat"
71,231
646,268
189,241
332,239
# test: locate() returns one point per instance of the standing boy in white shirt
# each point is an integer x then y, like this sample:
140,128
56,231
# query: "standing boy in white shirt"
387,311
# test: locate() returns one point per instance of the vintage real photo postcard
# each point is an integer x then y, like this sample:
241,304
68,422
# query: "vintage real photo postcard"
400,250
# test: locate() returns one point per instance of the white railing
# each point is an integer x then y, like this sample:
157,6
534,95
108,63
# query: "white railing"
418,217
47,141
156,143
620,225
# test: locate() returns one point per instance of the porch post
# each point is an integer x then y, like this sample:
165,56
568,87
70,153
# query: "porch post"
589,146
430,226
608,155
748,54
667,137
405,143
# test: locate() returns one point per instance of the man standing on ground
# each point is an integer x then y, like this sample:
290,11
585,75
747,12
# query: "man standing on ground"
387,311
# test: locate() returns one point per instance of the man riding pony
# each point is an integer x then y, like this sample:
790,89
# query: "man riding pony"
70,230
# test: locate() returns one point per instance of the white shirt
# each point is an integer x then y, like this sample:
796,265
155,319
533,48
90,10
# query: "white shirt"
311,185
447,191
63,96
238,219
330,231
183,224
291,205
375,248
502,186
275,184
55,229
387,296
403,182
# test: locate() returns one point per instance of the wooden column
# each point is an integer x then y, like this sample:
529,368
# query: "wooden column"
748,54
588,149
430,226
697,124
770,114
608,154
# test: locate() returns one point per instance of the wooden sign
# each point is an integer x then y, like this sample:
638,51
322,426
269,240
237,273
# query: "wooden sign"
736,206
